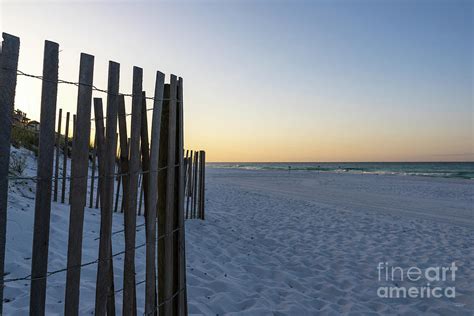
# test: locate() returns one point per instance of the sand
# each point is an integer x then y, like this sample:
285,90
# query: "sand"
299,243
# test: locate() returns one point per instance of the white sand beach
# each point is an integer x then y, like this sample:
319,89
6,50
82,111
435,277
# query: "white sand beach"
308,243
281,243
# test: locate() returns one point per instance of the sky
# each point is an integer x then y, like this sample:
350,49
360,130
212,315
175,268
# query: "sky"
276,80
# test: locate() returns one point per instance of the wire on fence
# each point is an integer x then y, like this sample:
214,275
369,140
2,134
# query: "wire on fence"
77,84
48,274
34,178
169,299
94,88
122,230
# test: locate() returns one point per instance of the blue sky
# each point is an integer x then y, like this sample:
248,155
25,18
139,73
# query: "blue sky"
279,80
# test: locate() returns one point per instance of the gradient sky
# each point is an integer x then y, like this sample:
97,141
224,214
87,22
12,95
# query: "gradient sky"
277,80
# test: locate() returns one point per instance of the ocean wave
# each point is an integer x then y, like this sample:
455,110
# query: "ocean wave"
406,169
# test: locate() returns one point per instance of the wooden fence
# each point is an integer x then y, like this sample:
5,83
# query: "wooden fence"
194,172
149,173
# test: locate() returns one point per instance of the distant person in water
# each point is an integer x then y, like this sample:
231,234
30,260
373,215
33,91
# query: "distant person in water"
289,168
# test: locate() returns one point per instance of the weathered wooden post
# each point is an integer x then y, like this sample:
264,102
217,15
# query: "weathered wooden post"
72,151
202,172
190,185
39,260
8,66
152,198
129,296
122,123
186,180
65,152
97,192
145,161
73,138
56,165
101,155
181,302
117,191
186,155
164,252
78,184
94,154
195,184
104,288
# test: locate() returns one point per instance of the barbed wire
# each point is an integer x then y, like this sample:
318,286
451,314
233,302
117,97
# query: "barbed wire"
35,178
169,299
94,88
121,231
51,273
77,84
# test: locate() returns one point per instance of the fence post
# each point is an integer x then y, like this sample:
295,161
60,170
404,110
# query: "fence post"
104,288
56,165
186,155
119,180
66,149
129,296
140,197
163,252
202,167
190,185
195,184
39,263
101,151
186,183
171,222
73,140
122,123
145,149
78,184
182,299
94,154
152,199
8,67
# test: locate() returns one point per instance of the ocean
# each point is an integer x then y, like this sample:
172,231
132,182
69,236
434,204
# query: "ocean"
462,170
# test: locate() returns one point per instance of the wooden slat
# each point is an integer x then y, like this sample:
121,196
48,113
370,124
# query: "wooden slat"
145,149
117,191
97,194
187,182
104,288
182,299
142,192
101,143
56,165
78,191
190,185
65,152
202,187
8,66
101,152
94,154
71,179
186,156
122,122
170,198
195,184
164,274
129,297
152,198
39,263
